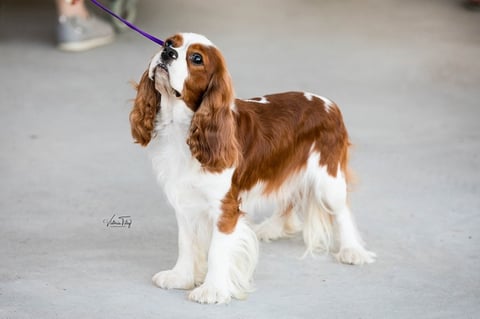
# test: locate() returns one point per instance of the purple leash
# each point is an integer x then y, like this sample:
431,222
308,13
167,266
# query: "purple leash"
130,25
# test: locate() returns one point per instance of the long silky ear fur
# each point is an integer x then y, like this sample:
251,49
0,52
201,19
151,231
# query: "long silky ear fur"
212,138
145,109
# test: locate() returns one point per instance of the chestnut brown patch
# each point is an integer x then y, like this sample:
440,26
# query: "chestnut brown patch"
230,212
208,91
276,139
200,76
145,109
176,40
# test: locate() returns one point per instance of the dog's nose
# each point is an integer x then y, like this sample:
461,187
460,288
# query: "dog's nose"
168,54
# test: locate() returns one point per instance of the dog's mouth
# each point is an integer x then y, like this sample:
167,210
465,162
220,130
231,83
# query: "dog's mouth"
163,67
162,78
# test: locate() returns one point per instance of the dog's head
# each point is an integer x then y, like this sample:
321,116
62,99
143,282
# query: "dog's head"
187,67
191,69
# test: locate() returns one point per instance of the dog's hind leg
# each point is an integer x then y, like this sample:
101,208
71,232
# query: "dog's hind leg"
331,194
352,250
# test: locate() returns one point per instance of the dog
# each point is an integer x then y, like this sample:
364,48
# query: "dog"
215,155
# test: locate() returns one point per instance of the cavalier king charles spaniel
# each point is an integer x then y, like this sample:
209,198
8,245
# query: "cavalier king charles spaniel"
218,157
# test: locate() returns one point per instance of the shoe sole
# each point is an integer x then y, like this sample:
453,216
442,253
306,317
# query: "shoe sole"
85,45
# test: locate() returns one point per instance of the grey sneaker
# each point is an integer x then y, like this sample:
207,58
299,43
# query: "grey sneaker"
79,34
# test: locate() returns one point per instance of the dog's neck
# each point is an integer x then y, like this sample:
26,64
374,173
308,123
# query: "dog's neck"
173,111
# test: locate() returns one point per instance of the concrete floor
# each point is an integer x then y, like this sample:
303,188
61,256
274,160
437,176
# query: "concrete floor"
407,76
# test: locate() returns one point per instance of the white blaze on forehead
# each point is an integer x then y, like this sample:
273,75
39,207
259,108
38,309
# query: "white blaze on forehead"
328,103
191,38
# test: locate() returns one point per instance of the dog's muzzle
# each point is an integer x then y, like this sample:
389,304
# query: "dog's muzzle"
169,54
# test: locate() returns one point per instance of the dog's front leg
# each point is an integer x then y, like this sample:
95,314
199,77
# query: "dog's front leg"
232,258
182,275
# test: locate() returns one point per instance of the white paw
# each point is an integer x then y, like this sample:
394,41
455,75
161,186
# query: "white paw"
278,227
268,231
171,279
209,294
265,232
355,256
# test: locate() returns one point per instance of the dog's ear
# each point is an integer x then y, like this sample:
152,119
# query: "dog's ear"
145,109
212,137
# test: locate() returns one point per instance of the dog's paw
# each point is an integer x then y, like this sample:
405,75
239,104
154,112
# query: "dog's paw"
171,279
268,232
355,256
210,295
277,227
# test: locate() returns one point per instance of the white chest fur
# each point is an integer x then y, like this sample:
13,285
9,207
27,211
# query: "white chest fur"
187,185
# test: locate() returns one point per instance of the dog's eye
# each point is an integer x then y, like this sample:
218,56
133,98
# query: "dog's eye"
196,59
168,43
